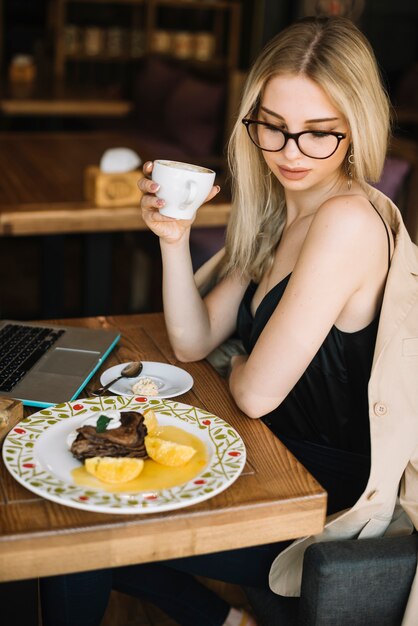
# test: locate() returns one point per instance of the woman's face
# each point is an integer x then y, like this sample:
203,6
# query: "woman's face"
295,103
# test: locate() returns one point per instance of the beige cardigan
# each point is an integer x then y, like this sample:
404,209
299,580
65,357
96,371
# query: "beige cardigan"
393,411
393,402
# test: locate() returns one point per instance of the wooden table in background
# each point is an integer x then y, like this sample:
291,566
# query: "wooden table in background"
274,499
41,193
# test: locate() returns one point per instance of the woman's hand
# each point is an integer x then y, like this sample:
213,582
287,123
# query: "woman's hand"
169,229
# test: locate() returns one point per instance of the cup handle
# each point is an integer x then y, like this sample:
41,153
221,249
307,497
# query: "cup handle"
191,194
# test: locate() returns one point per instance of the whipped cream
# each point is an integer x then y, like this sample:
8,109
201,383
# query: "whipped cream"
112,414
146,386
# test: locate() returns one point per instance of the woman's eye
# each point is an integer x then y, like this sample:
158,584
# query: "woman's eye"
318,134
272,129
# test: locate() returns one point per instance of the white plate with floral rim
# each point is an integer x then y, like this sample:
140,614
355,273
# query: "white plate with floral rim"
171,381
36,454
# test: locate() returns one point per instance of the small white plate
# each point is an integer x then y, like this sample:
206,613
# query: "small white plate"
171,381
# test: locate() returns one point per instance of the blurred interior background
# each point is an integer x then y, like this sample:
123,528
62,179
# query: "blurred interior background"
169,73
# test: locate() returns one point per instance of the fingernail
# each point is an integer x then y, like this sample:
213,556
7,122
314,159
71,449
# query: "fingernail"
160,203
155,187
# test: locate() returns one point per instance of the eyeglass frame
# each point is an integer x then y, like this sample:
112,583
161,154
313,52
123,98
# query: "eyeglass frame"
295,136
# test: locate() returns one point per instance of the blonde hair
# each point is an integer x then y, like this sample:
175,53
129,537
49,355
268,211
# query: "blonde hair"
336,56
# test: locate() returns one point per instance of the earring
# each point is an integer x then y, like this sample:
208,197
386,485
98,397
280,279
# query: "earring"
350,170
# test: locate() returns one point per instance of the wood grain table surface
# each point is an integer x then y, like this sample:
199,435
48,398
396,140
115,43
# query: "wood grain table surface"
274,498
41,191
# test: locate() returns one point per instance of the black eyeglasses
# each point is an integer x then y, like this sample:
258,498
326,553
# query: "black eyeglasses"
312,143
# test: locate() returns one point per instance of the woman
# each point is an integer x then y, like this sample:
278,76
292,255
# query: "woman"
307,259
307,254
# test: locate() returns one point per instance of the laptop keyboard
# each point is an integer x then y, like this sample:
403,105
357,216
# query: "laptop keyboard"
21,347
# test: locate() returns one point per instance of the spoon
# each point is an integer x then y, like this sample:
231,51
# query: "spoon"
131,370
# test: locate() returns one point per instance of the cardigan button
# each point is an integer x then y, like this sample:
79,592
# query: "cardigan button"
380,409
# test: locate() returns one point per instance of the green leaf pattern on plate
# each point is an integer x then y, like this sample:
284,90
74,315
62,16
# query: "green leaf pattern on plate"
225,463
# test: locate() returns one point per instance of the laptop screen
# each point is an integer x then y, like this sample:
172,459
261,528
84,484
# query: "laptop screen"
46,364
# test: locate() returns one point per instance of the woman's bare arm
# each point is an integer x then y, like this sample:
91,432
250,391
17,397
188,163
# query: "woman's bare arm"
195,326
344,250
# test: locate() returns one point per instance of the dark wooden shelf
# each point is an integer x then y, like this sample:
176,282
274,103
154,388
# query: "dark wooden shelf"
199,5
120,2
104,58
59,98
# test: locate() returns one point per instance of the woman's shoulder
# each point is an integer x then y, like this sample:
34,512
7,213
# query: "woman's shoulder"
349,228
349,207
348,215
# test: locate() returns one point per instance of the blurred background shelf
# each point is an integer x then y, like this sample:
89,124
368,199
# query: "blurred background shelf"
103,31
168,74
60,99
95,59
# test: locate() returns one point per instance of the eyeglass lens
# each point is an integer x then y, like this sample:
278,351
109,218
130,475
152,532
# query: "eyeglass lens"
313,144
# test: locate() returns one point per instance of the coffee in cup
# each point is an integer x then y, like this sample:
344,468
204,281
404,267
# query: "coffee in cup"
183,186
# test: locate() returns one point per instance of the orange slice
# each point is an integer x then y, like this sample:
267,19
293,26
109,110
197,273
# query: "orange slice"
168,452
150,420
114,469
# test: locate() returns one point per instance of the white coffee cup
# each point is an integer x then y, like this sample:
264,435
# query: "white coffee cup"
183,186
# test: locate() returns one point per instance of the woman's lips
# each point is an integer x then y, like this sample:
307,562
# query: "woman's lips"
296,174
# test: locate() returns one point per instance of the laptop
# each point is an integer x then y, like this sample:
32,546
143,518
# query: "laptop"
46,364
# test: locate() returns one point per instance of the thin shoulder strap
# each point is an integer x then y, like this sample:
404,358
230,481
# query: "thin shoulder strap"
387,232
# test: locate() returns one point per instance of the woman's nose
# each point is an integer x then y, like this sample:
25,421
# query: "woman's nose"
291,149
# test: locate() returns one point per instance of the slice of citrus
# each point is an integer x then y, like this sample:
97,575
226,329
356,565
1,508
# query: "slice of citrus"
114,469
151,422
168,452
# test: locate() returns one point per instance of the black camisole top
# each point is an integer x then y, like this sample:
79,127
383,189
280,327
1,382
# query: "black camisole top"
329,403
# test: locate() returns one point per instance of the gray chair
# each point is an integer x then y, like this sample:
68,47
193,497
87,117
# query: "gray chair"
346,583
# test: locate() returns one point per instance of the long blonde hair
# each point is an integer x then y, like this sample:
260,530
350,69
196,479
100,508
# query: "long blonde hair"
336,55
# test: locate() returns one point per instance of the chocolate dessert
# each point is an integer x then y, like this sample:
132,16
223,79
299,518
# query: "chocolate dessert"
127,440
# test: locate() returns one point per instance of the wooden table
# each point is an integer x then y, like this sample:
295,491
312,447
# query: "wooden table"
41,194
41,190
274,499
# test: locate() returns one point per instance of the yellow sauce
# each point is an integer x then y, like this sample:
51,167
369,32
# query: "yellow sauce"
154,476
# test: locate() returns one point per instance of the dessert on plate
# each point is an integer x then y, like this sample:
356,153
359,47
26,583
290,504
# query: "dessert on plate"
120,435
113,446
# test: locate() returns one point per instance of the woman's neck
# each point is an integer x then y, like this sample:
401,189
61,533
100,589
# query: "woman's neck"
301,204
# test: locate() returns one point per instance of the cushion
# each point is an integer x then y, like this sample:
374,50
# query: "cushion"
394,175
156,145
194,115
204,243
358,582
363,582
153,84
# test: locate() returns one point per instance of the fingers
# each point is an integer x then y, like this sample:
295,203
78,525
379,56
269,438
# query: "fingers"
147,168
150,214
213,192
146,185
149,188
150,201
